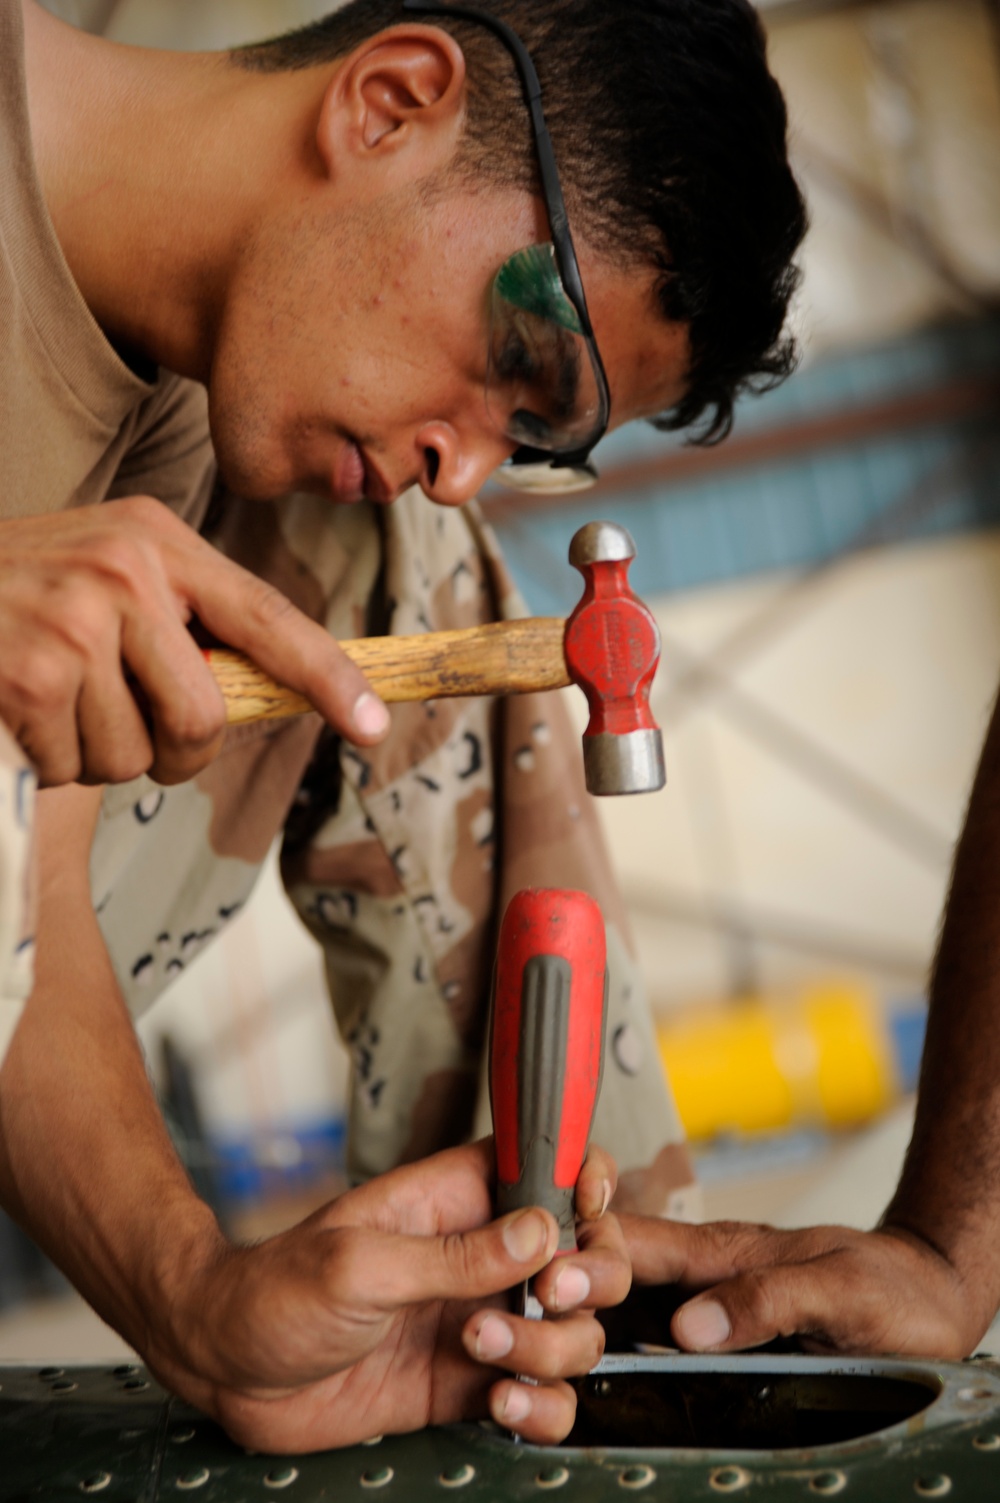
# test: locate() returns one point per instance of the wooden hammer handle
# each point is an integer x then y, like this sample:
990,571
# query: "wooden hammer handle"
507,657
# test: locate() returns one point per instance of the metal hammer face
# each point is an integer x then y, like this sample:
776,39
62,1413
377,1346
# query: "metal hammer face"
612,647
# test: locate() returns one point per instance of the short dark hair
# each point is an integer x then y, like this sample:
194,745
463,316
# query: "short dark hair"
671,139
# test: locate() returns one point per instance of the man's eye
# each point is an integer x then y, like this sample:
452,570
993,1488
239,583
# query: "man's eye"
515,362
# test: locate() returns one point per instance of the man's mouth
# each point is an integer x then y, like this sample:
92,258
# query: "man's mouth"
349,475
356,478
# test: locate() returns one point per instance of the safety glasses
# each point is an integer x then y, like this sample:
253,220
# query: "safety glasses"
546,388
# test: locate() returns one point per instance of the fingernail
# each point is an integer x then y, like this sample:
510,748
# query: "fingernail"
495,1339
607,1197
703,1324
526,1236
370,715
572,1288
517,1404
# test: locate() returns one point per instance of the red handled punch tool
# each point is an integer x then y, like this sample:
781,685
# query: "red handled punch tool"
546,1052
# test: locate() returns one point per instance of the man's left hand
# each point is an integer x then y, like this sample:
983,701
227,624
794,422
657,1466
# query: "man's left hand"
836,1289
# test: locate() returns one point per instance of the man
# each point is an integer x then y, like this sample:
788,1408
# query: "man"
324,233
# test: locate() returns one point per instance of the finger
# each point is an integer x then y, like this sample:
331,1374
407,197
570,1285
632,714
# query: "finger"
39,688
543,1415
81,691
819,1299
673,1252
868,1297
115,742
544,1349
184,702
252,616
597,1183
662,1252
51,743
387,1272
597,1276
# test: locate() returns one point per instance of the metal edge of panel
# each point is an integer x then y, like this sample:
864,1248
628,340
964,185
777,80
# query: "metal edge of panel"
951,1445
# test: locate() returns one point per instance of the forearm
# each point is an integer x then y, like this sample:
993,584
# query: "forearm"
926,1282
86,1165
949,1193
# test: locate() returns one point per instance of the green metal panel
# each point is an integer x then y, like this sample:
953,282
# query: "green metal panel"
114,1434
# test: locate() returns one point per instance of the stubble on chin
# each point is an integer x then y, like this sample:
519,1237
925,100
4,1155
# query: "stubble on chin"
242,437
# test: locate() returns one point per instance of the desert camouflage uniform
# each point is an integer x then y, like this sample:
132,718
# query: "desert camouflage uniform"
398,859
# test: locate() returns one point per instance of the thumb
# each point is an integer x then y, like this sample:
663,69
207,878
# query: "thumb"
464,1265
256,618
596,1184
756,1307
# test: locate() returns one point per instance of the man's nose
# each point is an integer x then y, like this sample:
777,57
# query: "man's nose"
454,466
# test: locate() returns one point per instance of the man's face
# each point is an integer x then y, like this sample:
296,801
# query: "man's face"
351,359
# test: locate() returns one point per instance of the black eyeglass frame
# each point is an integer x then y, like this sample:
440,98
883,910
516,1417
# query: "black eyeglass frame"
555,207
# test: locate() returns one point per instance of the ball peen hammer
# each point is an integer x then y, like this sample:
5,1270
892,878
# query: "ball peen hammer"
609,646
546,1052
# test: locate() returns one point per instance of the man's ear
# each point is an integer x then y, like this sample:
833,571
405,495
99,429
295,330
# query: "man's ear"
402,92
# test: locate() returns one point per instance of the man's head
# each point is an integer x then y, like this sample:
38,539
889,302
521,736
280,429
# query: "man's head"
669,134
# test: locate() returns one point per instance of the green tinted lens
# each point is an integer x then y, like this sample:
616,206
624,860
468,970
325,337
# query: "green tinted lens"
541,387
530,280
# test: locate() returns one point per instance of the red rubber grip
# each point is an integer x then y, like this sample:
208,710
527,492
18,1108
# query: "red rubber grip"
561,930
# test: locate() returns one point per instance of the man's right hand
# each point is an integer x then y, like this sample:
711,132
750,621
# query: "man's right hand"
383,1312
94,597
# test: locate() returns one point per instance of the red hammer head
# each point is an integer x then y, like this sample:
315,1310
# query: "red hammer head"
612,648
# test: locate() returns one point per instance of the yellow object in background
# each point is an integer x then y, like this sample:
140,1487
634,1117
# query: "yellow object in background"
823,1057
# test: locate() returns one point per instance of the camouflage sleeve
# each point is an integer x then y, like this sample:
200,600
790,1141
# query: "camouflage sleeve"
169,457
170,867
17,894
403,864
391,863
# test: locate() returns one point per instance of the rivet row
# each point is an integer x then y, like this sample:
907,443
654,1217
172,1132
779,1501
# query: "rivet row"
828,1484
281,1476
97,1483
457,1476
380,1478
932,1487
728,1479
190,1480
635,1478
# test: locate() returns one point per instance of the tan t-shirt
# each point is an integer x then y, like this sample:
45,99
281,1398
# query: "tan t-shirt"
76,427
76,424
